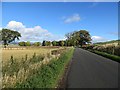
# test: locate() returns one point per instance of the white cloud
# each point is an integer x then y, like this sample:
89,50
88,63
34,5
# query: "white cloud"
98,39
36,33
15,25
73,18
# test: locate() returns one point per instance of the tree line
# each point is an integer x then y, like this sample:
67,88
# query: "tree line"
76,38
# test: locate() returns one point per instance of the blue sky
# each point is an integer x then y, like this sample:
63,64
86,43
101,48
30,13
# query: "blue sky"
51,21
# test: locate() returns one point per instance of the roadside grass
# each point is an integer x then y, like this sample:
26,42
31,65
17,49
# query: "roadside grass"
15,71
48,76
112,57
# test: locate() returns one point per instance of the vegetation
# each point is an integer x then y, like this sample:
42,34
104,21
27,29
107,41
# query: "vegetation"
108,42
77,38
36,71
21,43
17,71
111,49
113,57
20,53
9,36
107,49
36,44
48,75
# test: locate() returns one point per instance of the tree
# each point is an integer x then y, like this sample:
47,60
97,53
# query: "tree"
84,37
57,43
47,43
9,36
27,43
54,43
21,43
77,38
43,43
61,43
37,44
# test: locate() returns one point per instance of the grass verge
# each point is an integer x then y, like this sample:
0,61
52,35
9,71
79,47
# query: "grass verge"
48,75
112,57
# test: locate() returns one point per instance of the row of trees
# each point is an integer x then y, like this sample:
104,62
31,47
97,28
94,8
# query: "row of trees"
29,43
44,43
53,43
76,38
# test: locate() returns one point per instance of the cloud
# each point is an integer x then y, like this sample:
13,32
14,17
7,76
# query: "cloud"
15,25
71,19
98,39
36,33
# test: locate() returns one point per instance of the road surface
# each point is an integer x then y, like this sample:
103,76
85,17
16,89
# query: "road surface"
89,70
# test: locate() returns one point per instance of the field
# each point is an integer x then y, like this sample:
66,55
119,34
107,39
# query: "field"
109,49
20,53
20,64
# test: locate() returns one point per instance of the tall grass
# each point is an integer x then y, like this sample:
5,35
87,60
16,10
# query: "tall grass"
47,76
17,71
113,57
28,71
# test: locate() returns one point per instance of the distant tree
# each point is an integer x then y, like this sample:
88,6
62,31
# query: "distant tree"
77,38
61,43
37,44
9,36
54,43
48,43
83,37
21,43
57,43
65,42
27,43
44,43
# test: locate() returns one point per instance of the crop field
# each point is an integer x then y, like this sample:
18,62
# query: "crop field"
20,53
20,64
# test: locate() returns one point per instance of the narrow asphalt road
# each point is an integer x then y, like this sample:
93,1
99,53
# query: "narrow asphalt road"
89,70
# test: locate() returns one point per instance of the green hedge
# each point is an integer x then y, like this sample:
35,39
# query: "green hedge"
112,57
48,75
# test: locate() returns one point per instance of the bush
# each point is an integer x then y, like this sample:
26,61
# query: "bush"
112,57
48,75
117,50
36,44
111,49
27,43
21,43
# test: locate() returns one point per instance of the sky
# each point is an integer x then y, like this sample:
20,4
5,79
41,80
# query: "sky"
60,0
38,21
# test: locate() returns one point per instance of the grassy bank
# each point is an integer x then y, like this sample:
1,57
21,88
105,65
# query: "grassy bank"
48,75
112,57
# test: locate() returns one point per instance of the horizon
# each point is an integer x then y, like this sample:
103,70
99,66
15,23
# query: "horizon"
51,21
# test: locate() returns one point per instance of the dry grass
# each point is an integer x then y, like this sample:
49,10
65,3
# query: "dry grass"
19,54
109,44
19,69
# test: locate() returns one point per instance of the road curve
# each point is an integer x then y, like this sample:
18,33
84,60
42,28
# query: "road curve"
89,70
